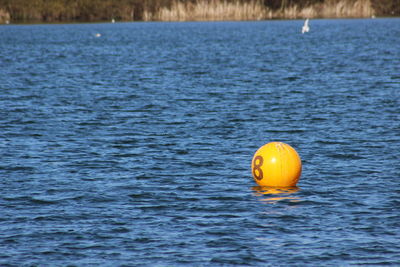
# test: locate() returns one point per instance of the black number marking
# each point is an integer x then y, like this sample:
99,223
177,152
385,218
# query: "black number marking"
257,171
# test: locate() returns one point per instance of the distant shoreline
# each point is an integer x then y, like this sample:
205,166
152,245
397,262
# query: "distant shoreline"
95,11
188,21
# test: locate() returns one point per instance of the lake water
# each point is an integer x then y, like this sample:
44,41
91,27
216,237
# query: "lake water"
130,144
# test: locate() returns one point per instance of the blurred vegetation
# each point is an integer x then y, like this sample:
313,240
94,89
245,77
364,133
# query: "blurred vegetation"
139,10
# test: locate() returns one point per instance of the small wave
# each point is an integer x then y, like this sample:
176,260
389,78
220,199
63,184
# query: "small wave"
17,168
44,201
291,78
121,230
345,156
290,131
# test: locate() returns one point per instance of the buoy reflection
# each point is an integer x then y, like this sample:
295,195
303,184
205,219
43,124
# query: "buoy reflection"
275,194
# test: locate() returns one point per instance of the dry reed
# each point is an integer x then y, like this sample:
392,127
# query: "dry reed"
4,16
346,8
212,10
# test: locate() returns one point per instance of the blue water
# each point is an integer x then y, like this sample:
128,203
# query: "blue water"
134,148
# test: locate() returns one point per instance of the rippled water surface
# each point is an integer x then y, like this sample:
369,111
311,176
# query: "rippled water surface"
134,148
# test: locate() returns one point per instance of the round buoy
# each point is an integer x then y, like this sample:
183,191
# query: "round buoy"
276,164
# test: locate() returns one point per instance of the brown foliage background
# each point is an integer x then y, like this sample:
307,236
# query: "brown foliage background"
183,10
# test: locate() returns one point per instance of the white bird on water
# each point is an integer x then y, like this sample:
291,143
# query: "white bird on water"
305,28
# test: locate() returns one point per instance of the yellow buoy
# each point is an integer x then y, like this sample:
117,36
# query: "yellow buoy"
276,164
